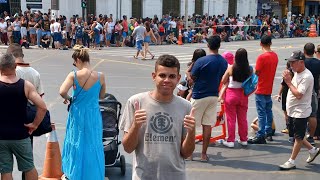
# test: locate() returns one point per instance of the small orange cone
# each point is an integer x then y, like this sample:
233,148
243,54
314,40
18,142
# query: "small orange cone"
180,37
269,31
52,162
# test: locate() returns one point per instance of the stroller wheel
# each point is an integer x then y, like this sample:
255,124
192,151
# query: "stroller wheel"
123,165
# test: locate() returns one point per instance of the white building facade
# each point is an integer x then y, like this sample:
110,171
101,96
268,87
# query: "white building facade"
144,8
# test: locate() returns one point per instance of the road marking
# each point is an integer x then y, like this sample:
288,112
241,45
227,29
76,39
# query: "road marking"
124,62
244,171
101,61
40,59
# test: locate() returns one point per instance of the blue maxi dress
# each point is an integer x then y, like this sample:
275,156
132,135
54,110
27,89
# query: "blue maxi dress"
83,155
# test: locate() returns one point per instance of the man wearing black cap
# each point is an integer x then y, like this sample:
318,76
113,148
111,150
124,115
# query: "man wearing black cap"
266,67
298,107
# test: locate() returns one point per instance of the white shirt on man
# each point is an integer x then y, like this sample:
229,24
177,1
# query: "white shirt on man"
300,108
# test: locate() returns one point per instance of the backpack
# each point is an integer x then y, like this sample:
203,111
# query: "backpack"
249,86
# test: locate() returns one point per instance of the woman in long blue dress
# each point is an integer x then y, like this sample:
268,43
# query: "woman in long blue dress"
83,156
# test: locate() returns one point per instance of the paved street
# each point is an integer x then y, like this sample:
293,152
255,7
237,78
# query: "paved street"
126,76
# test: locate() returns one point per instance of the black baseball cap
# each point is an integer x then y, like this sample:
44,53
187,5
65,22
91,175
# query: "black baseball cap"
296,56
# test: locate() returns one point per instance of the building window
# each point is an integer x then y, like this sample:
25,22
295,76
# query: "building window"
91,7
137,8
232,7
199,7
15,6
55,4
171,7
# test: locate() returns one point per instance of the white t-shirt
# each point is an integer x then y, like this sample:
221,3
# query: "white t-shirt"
56,27
300,108
157,155
109,26
173,24
31,75
3,27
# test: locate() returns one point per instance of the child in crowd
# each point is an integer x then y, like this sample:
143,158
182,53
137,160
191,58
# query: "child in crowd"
24,42
64,38
171,39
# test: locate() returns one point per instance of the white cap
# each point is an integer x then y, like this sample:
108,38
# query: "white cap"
182,88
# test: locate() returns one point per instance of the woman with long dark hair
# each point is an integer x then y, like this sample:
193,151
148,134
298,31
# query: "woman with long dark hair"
236,102
147,40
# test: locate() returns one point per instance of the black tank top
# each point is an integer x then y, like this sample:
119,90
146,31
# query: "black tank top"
13,114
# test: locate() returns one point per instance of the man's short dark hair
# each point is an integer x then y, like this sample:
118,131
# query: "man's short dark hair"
7,62
214,42
309,49
16,50
266,40
167,60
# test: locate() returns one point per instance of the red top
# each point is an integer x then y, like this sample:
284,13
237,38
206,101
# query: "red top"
266,67
125,25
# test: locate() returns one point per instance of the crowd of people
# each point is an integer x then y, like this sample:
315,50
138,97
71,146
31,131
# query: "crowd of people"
159,153
44,30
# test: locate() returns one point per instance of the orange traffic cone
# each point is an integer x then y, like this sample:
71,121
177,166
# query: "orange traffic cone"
180,38
52,162
269,31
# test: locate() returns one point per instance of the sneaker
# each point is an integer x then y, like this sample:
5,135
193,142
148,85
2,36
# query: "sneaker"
313,155
287,166
269,138
257,140
228,144
243,143
311,140
291,140
285,131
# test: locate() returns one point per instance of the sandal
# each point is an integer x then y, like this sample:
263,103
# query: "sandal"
152,57
135,57
205,160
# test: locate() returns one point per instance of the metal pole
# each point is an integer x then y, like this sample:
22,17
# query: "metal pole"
289,16
120,9
186,12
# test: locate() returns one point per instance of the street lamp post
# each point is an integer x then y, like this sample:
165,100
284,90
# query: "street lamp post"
186,13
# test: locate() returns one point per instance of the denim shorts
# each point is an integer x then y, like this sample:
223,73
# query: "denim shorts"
108,36
21,149
139,45
124,34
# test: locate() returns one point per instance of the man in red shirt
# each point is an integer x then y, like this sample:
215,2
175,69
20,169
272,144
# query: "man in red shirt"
266,67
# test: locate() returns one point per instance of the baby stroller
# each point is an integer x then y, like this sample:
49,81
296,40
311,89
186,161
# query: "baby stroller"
111,110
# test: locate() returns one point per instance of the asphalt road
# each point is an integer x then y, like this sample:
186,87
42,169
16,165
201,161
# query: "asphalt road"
126,76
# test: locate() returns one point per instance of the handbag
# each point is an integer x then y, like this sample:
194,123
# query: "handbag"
250,84
45,125
72,98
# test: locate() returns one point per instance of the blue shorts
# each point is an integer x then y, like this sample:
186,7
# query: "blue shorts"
139,45
108,36
46,33
124,34
147,39
57,36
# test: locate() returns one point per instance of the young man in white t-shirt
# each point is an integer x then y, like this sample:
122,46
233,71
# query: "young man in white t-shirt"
298,107
24,70
159,126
